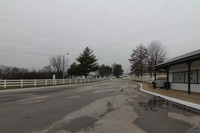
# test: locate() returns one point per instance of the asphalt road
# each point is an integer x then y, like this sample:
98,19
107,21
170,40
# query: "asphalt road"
103,107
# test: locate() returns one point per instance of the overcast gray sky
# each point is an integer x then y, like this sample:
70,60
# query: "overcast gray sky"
33,30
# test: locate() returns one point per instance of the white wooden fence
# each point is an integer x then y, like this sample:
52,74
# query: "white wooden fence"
44,82
146,79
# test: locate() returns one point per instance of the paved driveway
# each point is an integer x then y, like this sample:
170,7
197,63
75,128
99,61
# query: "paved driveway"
103,107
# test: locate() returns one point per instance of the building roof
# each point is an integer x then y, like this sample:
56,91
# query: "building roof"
194,55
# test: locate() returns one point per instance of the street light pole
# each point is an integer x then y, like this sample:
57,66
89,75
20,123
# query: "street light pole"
64,64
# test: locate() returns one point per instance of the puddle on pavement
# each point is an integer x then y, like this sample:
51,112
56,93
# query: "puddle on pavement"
153,103
195,129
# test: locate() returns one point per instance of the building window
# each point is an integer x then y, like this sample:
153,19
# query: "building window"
182,77
193,77
178,77
186,77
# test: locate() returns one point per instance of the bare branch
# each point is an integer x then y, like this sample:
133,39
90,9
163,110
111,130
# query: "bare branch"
157,54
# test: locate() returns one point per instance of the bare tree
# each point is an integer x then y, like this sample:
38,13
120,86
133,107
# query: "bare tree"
47,68
57,64
156,54
7,72
2,68
138,60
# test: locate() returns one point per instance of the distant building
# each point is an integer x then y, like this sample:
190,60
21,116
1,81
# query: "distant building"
93,75
183,72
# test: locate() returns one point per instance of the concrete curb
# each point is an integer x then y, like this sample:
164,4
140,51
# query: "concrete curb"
188,104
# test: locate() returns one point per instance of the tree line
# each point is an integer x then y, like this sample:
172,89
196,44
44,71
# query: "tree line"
144,58
7,72
86,63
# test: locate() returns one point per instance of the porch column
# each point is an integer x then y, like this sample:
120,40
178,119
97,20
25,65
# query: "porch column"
167,70
189,65
155,74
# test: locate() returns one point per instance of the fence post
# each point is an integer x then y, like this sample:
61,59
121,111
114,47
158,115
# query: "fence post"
70,81
63,81
81,80
21,83
76,81
35,84
4,83
46,82
55,81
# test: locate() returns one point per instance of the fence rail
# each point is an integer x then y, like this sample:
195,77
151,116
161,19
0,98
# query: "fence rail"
43,82
146,79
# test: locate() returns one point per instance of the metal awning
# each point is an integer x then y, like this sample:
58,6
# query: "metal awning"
192,56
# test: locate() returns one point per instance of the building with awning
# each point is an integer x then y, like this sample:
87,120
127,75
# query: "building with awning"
183,72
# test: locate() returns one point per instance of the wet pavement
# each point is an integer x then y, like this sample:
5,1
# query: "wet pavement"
103,107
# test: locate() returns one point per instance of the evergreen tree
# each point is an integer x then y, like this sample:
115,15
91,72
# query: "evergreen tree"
87,62
117,70
73,70
105,70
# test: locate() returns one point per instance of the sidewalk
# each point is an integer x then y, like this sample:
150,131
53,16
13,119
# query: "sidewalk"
181,95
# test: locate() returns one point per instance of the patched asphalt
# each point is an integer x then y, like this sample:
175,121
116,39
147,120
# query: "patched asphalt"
116,106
